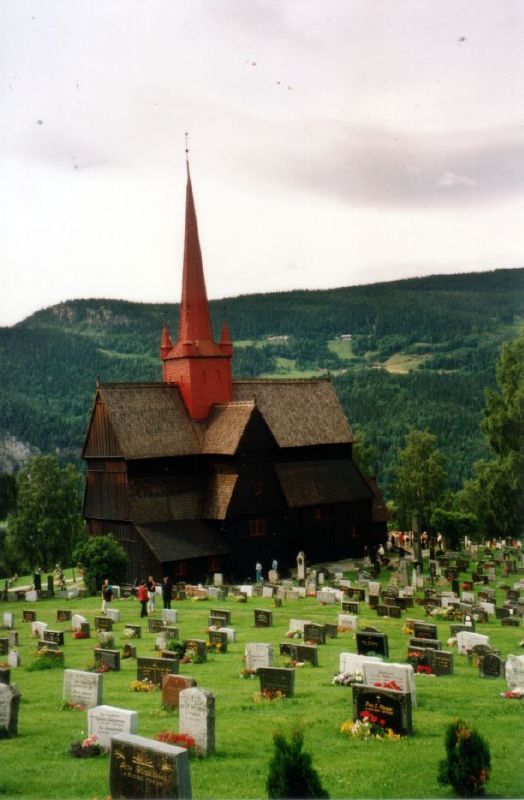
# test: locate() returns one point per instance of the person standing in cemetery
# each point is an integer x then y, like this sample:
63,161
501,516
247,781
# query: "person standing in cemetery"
142,595
107,595
167,592
258,571
151,588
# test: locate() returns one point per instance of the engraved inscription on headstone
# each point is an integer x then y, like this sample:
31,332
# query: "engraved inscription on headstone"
154,669
84,688
107,721
9,704
391,706
372,643
273,679
172,685
143,769
197,718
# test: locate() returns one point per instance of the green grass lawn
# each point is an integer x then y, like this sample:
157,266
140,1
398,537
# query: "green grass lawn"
36,763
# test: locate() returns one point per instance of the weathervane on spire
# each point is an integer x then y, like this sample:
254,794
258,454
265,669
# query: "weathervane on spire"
186,135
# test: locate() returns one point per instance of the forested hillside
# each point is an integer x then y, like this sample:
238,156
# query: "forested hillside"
421,353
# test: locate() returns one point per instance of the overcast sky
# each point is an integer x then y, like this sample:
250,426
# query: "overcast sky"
332,142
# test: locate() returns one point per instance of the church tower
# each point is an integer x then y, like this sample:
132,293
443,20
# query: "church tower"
196,363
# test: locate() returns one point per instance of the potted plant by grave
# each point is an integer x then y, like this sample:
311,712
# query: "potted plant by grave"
88,748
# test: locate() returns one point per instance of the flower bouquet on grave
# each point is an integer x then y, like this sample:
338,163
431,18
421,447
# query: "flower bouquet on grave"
47,659
241,598
80,635
388,685
129,633
347,678
214,647
423,669
248,673
513,694
100,667
269,696
68,705
106,638
88,748
415,657
344,629
310,642
294,634
143,685
368,726
180,740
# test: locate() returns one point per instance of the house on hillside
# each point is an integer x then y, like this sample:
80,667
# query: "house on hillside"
200,473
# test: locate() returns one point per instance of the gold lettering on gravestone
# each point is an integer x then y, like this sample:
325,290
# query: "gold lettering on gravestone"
153,775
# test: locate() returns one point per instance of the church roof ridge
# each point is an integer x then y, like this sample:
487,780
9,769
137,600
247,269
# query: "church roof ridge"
282,380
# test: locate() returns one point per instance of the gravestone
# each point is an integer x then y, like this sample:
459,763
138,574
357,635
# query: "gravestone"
63,615
491,666
223,614
38,628
510,622
354,593
434,644
515,672
218,638
439,661
12,638
103,624
196,646
109,657
84,688
4,646
263,618
306,653
54,636
378,673
268,592
113,614
467,640
9,620
347,622
326,597
77,620
369,643
350,607
144,769
9,705
107,721
258,655
172,685
331,630
32,595
197,718
13,659
169,615
154,669
128,651
352,664
301,566
5,675
230,633
43,645
298,625
273,679
313,632
155,625
423,630
85,629
392,706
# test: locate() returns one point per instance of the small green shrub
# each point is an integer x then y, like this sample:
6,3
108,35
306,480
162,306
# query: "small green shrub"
291,774
468,761
101,557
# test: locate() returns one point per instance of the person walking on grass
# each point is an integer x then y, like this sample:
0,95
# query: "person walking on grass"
167,592
107,595
151,588
142,596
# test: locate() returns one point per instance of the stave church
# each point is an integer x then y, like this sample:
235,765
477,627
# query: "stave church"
201,473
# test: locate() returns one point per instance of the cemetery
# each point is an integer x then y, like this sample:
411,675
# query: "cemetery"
223,676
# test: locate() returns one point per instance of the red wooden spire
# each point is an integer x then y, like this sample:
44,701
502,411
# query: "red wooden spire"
200,366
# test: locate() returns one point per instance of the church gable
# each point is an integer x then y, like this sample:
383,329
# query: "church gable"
101,440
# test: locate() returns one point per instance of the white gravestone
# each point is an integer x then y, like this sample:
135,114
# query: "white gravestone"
258,655
326,596
347,622
515,672
246,589
231,633
38,628
218,579
352,662
169,615
197,718
107,721
466,640
267,592
401,674
9,620
77,620
113,614
13,658
298,624
301,566
83,687
9,703
31,596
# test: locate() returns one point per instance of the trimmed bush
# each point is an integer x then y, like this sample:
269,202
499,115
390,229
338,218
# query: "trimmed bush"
468,761
291,774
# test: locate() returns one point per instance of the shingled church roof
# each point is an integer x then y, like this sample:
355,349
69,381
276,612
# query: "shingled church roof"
149,420
310,483
177,541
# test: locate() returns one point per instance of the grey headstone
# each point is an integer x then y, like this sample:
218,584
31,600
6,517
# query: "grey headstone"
197,718
107,721
9,705
83,687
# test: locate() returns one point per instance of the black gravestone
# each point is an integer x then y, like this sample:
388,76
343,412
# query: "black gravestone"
196,646
393,707
142,768
263,618
511,622
5,675
28,616
277,679
109,657
356,594
137,630
218,638
350,607
63,615
300,652
54,636
331,630
103,624
314,632
439,661
155,625
434,644
224,615
424,630
369,643
154,669
491,666
4,646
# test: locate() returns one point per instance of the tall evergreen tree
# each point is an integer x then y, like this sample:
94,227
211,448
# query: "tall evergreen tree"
496,494
420,479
